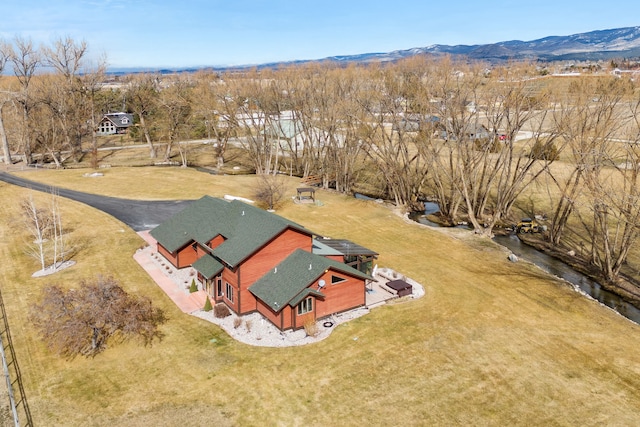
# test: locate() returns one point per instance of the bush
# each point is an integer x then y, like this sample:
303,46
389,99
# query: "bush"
85,320
220,310
270,191
207,305
247,325
311,327
237,322
492,145
544,151
193,288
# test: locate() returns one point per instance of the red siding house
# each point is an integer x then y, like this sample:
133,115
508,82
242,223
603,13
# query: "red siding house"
252,260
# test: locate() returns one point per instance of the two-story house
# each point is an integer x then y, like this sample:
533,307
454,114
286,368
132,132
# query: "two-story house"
115,123
253,260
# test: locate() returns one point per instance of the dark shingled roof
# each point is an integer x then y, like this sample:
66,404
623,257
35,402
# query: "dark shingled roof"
344,247
121,120
208,266
288,282
244,227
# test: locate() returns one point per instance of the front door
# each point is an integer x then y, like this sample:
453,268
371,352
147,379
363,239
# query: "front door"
219,288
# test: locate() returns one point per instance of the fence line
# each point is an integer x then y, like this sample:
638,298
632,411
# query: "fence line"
15,389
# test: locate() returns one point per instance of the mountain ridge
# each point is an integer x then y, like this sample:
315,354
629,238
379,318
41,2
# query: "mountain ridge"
593,45
590,46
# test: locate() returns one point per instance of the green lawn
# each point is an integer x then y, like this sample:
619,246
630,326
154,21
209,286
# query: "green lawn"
491,343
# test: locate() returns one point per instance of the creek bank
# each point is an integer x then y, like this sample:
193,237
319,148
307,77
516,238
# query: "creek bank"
624,288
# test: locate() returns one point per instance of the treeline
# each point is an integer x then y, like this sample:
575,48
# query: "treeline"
473,138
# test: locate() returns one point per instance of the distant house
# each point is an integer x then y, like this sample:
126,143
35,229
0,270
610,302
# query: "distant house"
255,261
290,135
115,123
286,133
472,132
416,122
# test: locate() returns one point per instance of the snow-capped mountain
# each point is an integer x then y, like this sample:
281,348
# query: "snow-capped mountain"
601,44
594,45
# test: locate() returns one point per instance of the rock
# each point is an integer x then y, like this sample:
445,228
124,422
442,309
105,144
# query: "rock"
571,253
513,258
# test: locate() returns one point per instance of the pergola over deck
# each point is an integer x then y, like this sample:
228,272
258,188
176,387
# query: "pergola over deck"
354,255
306,194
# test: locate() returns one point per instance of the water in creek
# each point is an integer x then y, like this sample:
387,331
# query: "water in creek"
421,217
564,271
550,265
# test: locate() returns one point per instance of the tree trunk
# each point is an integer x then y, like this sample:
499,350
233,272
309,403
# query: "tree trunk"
5,143
152,150
55,158
167,153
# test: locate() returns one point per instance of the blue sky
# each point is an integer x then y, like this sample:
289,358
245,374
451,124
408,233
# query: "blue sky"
185,33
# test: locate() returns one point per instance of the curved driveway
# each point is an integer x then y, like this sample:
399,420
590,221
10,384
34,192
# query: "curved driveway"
138,214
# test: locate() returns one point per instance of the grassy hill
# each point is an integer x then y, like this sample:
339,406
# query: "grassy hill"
491,343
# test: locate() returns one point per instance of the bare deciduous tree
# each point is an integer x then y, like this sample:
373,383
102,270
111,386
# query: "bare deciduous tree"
37,221
4,56
218,113
6,150
511,104
47,239
142,98
84,321
256,116
174,103
25,59
322,121
397,151
270,190
65,57
585,127
612,196
90,82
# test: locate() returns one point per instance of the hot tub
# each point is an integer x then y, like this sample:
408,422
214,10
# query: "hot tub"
401,287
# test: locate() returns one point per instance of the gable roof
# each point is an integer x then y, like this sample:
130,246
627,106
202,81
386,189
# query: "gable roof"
208,266
288,283
190,224
121,120
245,228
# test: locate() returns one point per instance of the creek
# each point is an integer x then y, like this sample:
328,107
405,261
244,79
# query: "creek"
551,265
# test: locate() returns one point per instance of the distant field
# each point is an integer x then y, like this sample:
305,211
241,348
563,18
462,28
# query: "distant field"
491,343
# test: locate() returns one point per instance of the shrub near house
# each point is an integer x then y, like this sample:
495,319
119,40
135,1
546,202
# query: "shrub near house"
252,260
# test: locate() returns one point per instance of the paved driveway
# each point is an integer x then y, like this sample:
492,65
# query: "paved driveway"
138,214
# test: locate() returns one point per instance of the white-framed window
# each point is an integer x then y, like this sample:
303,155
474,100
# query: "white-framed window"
306,306
229,292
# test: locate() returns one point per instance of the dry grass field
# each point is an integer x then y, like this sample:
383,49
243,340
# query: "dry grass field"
491,343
